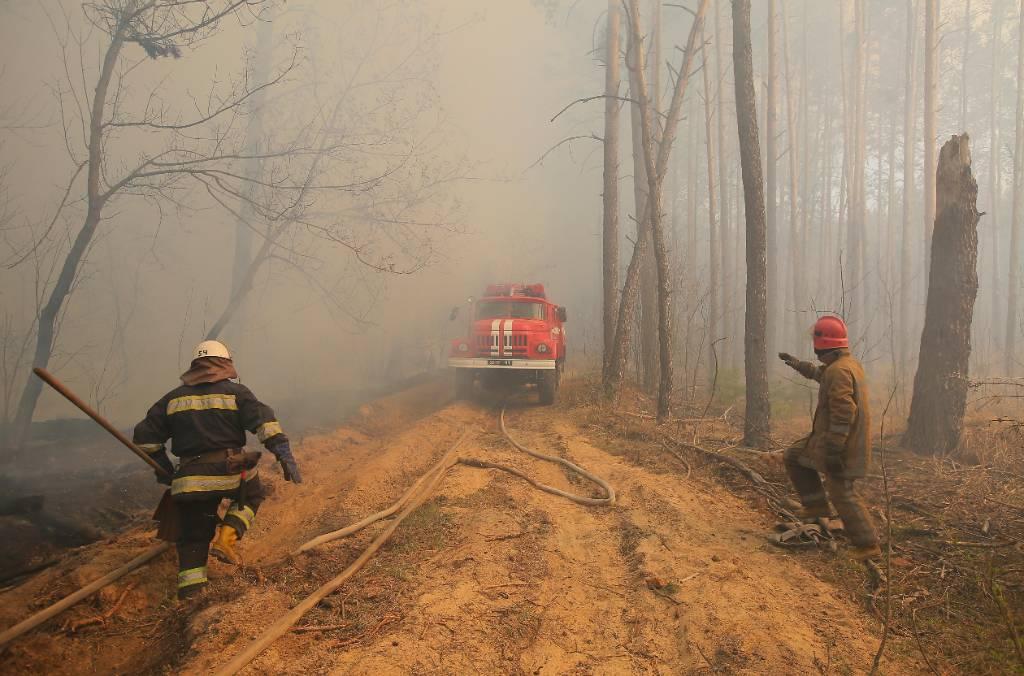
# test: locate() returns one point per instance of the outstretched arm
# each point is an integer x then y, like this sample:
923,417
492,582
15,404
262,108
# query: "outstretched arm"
804,368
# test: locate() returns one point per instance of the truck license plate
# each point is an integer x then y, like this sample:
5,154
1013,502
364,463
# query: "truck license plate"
499,362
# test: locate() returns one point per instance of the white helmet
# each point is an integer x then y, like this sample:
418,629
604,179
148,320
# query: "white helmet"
211,348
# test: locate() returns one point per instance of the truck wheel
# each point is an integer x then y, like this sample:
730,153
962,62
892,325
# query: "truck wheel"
548,386
463,384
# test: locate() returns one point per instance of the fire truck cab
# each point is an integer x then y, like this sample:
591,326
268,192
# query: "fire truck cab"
515,336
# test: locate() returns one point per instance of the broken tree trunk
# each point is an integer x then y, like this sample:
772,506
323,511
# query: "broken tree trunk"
940,386
758,408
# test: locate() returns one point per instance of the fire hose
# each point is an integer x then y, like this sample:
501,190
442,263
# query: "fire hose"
412,499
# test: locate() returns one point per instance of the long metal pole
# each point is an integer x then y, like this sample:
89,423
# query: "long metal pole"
48,378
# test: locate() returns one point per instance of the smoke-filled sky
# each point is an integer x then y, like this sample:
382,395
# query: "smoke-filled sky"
404,137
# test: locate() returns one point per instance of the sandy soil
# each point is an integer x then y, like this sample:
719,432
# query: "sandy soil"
490,576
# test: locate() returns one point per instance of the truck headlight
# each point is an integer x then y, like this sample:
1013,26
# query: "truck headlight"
542,348
463,347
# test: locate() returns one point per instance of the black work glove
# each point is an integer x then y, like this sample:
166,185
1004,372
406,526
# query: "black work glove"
834,460
790,360
166,465
283,453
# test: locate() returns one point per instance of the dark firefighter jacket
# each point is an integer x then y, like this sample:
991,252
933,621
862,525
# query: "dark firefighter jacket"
842,417
201,419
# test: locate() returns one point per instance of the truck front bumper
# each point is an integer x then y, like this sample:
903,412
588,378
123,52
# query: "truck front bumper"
498,363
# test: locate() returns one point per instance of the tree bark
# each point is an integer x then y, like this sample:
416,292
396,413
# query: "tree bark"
856,226
995,170
648,272
774,296
930,74
627,304
724,280
713,234
795,262
95,200
963,66
940,386
610,197
758,408
1012,303
909,139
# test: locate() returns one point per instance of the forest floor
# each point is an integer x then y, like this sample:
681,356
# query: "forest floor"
492,576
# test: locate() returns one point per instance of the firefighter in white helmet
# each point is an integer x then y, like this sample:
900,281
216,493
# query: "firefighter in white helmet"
207,417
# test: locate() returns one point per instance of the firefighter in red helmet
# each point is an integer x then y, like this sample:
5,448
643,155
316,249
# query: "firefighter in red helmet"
839,446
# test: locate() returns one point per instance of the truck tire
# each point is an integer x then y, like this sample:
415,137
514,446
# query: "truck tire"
463,384
547,386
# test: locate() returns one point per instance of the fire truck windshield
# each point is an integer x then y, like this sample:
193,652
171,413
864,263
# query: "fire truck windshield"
494,309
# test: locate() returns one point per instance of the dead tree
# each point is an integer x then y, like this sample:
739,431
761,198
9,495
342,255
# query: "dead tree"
627,303
940,386
656,157
161,28
758,408
610,197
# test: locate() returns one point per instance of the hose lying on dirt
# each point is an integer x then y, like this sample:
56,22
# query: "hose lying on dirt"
86,591
285,622
373,518
609,492
412,499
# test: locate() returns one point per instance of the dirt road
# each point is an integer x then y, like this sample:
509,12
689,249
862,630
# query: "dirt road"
489,576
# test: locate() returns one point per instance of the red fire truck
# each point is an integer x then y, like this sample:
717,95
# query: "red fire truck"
516,336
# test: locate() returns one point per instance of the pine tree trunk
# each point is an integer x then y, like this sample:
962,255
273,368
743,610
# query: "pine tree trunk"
713,234
725,216
610,224
795,263
995,172
909,140
930,84
773,291
758,409
856,226
963,66
1012,303
940,386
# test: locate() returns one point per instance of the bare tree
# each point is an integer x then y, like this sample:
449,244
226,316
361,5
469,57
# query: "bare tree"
758,409
657,166
940,386
196,148
610,229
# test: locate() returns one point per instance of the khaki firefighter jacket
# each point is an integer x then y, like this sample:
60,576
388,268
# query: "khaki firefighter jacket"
843,417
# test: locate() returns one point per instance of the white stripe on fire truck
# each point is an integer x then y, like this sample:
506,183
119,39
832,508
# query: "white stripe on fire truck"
495,336
507,330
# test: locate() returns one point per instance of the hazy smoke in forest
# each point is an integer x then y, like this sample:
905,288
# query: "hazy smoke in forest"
438,119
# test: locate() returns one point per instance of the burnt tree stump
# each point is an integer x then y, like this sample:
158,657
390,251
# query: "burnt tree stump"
940,385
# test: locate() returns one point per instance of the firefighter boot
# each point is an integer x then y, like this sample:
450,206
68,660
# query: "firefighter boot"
223,546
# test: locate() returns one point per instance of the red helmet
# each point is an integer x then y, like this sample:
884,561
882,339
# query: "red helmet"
830,333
